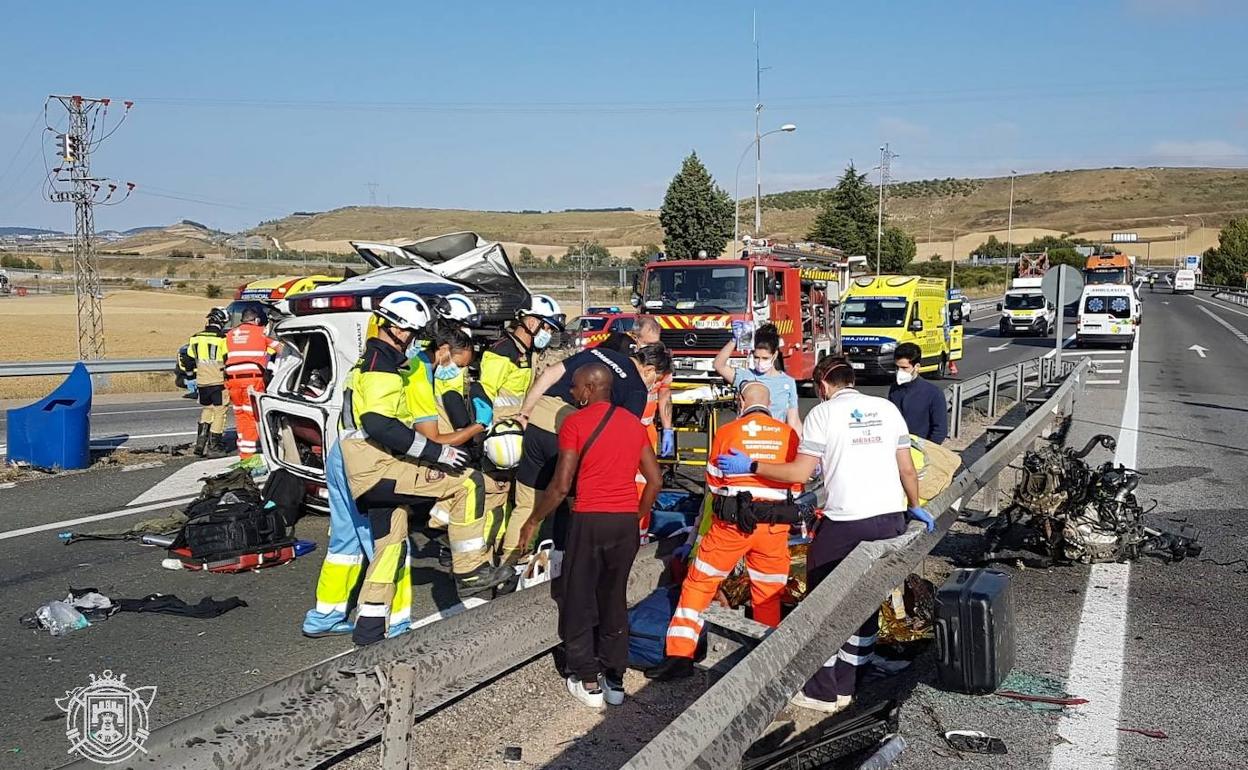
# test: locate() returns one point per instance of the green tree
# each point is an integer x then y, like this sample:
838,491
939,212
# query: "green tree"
1226,264
696,214
644,254
526,256
897,249
992,249
212,291
847,216
598,255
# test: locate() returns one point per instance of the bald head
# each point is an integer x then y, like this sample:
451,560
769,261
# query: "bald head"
592,383
646,330
754,393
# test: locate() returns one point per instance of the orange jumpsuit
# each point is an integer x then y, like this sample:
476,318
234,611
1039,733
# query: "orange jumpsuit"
766,549
648,419
248,351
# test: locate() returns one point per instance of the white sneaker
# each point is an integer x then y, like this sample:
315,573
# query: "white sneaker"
828,707
612,691
592,698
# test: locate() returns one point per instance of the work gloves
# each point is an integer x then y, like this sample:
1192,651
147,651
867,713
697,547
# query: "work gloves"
918,513
735,463
441,454
484,411
667,444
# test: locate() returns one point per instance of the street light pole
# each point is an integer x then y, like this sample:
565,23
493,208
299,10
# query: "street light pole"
787,128
1009,228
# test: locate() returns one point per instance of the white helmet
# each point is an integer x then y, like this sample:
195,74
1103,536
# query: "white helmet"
405,310
458,307
503,444
547,309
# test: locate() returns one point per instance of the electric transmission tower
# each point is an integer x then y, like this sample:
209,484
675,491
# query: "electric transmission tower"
886,158
71,182
372,193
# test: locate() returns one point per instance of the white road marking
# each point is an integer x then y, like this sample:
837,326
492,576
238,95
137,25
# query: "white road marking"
454,609
1102,352
1199,349
998,348
184,481
1221,306
1108,371
61,525
123,439
146,411
1065,344
1098,660
1103,382
1238,334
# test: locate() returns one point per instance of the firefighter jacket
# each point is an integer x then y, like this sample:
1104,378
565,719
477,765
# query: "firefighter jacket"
762,438
507,368
375,405
208,350
248,351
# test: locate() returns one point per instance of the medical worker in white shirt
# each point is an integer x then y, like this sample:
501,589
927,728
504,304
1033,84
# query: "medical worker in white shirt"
863,446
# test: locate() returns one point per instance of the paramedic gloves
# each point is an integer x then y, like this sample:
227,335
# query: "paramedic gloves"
484,411
681,552
735,463
441,454
667,444
919,514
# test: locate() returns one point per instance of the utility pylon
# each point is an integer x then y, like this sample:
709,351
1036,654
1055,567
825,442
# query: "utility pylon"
87,129
886,158
372,193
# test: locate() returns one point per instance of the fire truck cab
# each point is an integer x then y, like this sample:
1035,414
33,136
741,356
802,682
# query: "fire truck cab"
797,288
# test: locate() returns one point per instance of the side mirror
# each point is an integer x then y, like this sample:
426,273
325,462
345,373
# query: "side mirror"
635,300
1000,307
916,325
776,286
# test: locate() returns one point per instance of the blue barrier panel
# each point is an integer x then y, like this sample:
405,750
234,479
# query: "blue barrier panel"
54,432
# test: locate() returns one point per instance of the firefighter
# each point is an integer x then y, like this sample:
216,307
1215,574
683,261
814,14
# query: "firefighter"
249,352
751,517
507,366
392,469
646,331
207,348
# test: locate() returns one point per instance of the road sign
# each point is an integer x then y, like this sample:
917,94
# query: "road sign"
1060,285
1193,262
1124,237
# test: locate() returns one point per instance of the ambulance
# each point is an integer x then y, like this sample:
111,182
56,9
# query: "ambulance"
882,312
1109,314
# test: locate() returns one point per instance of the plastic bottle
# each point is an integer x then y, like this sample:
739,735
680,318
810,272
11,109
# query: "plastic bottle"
886,754
60,618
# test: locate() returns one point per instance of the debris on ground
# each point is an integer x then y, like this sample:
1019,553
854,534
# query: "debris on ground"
975,742
1146,733
1040,693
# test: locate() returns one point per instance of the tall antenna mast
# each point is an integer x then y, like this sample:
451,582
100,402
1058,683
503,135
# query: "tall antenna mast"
758,139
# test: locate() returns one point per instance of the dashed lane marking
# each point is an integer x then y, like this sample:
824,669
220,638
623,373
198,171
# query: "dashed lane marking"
1238,334
67,523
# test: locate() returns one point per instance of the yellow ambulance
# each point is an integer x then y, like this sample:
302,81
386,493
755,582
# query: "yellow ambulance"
881,312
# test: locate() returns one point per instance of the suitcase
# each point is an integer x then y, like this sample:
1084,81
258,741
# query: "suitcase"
974,630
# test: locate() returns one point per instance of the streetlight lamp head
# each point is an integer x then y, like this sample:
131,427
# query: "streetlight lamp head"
788,127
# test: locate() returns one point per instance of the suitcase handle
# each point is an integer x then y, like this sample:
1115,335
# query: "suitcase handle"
946,642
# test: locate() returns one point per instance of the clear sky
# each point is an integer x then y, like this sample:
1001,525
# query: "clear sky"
250,110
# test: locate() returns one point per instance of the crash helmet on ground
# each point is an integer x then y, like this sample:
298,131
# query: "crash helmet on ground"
503,443
547,309
405,310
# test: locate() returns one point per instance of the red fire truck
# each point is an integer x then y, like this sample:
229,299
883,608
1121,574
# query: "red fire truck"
795,287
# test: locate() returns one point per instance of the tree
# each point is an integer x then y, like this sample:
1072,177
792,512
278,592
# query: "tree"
644,254
526,256
597,255
897,249
992,249
1226,264
696,214
847,218
550,260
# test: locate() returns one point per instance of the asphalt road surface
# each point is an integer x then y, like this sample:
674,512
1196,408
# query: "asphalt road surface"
194,663
139,421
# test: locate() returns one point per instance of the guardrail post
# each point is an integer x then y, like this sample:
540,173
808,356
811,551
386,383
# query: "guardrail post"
396,732
992,395
1020,382
956,417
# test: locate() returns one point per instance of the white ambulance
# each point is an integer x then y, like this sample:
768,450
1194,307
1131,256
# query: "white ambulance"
1109,315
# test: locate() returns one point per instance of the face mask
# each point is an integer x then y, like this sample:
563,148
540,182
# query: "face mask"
447,372
541,339
904,377
764,365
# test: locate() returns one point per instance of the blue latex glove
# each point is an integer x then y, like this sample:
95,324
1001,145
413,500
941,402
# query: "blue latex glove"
919,514
735,463
682,552
667,443
484,411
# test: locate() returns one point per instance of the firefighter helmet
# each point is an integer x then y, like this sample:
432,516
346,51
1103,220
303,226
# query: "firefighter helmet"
405,310
547,309
502,444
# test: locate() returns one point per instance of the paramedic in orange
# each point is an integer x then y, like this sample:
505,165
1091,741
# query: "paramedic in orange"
752,518
248,353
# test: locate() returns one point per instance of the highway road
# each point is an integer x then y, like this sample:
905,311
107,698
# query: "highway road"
136,421
197,662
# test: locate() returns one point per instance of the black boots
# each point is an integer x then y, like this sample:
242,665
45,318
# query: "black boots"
216,445
483,578
201,439
671,668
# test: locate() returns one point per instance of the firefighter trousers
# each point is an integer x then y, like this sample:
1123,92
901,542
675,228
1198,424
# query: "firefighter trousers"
538,456
766,552
350,548
216,403
239,389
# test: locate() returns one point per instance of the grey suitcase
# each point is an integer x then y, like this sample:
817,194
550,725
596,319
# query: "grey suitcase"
974,630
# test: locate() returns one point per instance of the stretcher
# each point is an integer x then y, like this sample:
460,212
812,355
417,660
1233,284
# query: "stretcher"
695,419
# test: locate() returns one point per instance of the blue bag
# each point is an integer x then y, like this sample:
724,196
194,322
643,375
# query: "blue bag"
647,628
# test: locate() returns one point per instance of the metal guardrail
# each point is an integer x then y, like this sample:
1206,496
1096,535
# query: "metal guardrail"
716,730
1038,371
102,366
1239,298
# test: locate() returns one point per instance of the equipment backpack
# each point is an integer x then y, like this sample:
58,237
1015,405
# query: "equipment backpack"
231,529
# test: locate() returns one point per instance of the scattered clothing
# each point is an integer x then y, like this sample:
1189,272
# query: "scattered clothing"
168,604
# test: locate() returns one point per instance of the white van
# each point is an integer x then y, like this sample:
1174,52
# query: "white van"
1109,314
298,413
1185,282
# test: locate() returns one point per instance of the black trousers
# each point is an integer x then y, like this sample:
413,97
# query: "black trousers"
835,539
593,611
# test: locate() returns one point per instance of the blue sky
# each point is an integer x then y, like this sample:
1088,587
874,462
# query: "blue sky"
248,111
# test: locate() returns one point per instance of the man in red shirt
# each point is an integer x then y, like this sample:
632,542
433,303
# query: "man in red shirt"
600,448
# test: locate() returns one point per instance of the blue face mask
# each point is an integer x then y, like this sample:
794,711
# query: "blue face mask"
448,372
541,339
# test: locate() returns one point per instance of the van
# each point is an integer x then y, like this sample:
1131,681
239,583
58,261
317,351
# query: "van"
1025,309
881,312
298,414
1185,282
1109,314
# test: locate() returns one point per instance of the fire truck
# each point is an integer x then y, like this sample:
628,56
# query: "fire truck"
796,287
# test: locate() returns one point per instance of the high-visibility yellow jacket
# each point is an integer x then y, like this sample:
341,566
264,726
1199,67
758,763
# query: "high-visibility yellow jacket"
208,350
507,369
